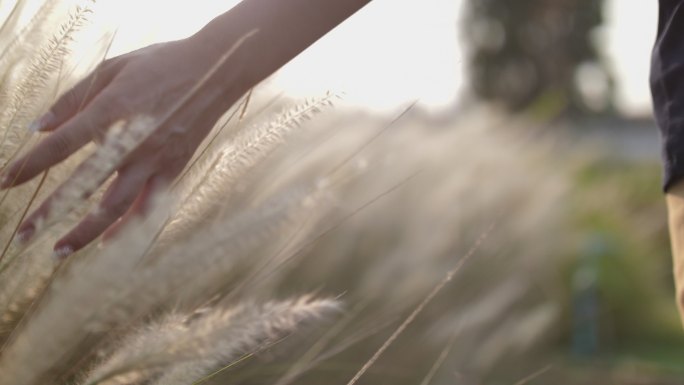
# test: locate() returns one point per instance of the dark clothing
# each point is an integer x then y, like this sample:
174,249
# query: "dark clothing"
667,87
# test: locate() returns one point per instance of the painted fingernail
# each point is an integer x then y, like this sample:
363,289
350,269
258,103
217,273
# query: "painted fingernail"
62,252
25,235
42,123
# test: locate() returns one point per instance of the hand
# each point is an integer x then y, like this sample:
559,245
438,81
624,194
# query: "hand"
149,82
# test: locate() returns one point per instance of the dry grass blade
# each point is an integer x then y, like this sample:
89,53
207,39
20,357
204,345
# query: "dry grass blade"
187,348
233,364
184,295
279,324
60,335
419,309
440,360
39,73
245,151
373,138
310,355
534,375
317,236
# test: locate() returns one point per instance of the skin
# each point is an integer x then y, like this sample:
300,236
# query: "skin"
150,82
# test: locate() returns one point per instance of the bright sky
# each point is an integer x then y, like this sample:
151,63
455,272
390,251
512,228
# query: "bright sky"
391,52
629,37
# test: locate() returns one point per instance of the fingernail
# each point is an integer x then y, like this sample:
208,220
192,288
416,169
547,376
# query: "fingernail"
42,123
25,235
62,252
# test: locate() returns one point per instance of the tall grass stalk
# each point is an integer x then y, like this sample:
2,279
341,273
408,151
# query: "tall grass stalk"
370,211
421,306
248,148
23,105
268,324
185,348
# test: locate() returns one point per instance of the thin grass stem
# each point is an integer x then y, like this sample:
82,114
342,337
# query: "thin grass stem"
423,304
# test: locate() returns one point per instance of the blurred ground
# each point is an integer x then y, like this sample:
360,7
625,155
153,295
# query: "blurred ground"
622,321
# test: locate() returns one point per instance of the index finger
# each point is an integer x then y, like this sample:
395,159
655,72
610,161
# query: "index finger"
59,145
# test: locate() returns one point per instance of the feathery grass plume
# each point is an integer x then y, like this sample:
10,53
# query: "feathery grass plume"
8,64
373,256
437,222
138,357
370,258
182,349
29,268
20,279
221,246
23,104
17,40
113,287
135,135
249,147
67,315
13,313
123,146
120,140
95,170
22,282
18,45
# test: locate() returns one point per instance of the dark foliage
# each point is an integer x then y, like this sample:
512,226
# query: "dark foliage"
526,51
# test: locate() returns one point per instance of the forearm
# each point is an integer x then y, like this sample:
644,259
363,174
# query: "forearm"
285,29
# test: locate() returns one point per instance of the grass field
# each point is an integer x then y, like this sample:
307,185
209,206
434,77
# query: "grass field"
312,242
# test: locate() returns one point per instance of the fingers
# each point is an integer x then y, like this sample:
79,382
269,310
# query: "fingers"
77,98
117,200
27,228
66,140
141,206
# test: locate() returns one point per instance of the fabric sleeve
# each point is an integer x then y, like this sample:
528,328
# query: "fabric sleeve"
667,88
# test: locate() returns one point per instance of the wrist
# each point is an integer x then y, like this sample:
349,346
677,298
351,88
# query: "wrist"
236,74
284,29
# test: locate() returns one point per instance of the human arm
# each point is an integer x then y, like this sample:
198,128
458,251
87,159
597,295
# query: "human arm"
150,82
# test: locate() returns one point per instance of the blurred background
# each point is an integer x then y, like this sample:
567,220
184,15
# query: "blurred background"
439,50
573,75
570,76
567,78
